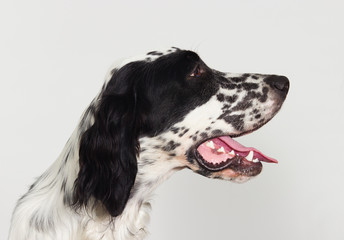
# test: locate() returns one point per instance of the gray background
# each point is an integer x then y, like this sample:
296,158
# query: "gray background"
54,56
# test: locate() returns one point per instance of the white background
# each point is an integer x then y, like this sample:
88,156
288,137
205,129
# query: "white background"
54,56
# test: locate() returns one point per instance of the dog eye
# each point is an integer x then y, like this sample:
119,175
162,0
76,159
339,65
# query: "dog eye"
197,72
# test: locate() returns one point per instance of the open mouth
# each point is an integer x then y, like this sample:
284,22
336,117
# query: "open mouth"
223,152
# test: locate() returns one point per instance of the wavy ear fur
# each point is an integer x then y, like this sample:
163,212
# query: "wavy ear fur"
108,149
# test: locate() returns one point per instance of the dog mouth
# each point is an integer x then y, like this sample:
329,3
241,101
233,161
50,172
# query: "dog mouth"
224,152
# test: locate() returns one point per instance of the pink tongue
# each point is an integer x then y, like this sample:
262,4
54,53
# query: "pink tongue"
238,147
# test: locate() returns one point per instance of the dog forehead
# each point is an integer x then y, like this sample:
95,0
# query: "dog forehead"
147,57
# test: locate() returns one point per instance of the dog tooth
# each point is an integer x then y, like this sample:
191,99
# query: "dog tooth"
210,144
221,149
255,160
232,152
249,156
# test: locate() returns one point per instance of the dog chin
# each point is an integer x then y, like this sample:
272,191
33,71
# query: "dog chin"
230,175
225,174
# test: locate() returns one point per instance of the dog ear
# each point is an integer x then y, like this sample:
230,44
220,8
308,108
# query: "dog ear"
108,149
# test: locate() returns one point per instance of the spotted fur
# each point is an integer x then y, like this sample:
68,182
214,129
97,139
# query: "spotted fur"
143,126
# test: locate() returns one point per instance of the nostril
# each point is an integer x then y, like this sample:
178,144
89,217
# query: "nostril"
280,83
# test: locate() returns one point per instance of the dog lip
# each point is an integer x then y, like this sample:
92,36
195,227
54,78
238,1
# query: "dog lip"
212,167
238,164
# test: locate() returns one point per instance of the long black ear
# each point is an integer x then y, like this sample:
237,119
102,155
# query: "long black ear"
108,149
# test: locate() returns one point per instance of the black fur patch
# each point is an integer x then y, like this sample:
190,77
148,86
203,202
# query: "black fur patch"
237,121
243,105
183,133
249,86
217,132
155,53
175,130
171,145
204,135
232,99
238,79
220,97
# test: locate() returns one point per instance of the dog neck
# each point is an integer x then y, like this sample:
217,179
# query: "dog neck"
153,169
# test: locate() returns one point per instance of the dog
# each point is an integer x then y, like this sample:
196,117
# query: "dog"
155,115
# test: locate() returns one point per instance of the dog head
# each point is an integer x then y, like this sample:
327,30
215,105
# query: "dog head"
175,106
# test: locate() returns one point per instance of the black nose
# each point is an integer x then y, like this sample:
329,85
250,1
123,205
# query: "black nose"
280,83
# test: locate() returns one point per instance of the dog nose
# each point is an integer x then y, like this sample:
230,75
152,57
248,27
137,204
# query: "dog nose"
280,83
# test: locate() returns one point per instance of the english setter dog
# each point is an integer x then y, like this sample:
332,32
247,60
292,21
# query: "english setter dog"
155,115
